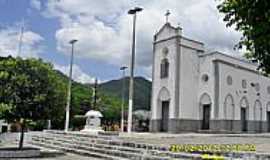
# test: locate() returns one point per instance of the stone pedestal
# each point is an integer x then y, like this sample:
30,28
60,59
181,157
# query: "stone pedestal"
93,122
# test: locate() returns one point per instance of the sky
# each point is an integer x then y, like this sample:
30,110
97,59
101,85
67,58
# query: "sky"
104,31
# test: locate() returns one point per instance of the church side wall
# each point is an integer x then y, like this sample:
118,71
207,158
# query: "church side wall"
238,91
189,70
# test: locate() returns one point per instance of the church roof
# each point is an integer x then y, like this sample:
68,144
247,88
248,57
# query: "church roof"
233,61
242,59
169,26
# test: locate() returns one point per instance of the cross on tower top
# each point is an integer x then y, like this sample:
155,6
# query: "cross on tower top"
168,13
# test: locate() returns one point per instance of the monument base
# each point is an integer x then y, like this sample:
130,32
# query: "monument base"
92,131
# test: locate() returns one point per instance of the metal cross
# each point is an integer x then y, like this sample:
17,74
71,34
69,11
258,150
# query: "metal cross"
167,15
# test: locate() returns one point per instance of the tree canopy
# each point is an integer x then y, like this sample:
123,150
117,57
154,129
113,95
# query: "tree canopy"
30,90
252,18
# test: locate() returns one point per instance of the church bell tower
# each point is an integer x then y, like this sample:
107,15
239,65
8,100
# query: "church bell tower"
165,76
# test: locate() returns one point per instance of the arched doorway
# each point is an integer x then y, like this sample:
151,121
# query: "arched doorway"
205,111
268,116
244,113
164,101
258,115
229,111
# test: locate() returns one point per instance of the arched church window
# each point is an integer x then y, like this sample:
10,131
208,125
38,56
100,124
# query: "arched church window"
229,108
257,111
164,68
244,83
229,80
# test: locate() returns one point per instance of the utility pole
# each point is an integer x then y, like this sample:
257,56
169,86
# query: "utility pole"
72,42
123,97
21,39
95,95
131,85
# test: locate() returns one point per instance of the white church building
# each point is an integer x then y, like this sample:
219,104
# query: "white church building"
193,90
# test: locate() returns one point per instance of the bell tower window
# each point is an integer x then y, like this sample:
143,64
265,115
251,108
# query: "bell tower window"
164,68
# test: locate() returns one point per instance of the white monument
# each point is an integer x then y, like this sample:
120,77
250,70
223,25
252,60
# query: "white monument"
93,122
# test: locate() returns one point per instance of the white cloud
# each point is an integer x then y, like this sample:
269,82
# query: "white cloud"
103,27
9,42
78,75
36,4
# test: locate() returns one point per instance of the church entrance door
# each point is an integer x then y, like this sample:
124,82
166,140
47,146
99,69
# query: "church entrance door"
165,116
243,119
206,117
268,121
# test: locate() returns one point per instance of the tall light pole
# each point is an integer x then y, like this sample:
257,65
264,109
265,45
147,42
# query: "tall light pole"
21,39
72,42
131,86
123,97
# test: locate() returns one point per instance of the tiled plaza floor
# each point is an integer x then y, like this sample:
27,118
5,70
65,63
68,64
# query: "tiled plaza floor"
46,154
261,141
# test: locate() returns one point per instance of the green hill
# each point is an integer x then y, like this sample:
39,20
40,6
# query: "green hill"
82,93
142,91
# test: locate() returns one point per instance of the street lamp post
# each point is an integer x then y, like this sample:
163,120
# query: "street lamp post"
123,98
131,85
72,42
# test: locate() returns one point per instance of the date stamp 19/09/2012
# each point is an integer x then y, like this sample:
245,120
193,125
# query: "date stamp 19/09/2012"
212,151
213,148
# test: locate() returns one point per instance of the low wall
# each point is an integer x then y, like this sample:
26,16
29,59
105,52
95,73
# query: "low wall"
16,153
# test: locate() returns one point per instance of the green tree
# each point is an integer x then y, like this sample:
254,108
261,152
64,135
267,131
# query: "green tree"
252,18
4,108
31,91
110,107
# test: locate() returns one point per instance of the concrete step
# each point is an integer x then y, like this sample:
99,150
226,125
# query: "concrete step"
73,137
104,152
160,151
112,145
124,152
119,145
115,142
80,134
78,151
154,154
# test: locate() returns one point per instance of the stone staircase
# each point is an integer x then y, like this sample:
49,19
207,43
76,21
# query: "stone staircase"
104,146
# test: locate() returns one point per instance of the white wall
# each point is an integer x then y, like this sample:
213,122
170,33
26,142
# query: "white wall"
206,68
168,83
237,91
189,76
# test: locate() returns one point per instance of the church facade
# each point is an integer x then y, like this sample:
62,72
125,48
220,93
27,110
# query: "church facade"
193,90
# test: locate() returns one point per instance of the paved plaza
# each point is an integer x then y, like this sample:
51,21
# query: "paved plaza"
59,156
261,141
9,140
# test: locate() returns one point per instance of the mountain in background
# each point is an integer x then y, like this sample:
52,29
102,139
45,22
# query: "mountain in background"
113,88
142,91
